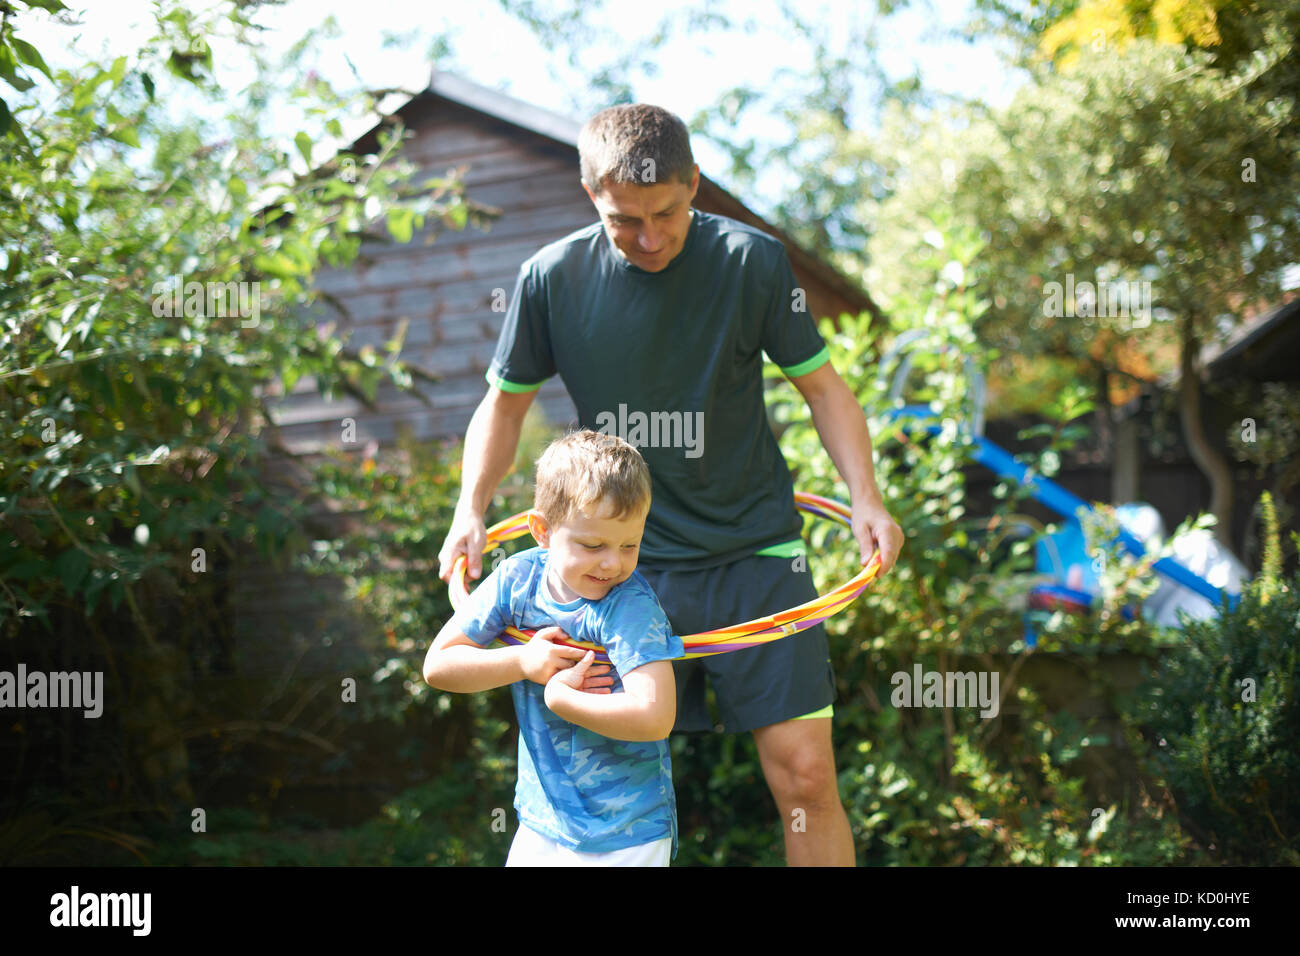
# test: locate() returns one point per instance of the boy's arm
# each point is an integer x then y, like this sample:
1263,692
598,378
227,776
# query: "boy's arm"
457,663
644,711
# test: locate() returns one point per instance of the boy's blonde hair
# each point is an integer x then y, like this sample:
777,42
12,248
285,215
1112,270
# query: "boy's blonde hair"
583,468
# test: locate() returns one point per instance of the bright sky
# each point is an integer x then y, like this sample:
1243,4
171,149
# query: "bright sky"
493,49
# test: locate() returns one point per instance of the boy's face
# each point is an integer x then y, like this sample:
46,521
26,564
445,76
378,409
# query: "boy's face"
591,551
647,223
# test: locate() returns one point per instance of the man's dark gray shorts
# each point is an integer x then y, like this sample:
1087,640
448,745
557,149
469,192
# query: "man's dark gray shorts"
781,680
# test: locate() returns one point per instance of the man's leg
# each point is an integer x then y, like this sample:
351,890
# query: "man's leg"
799,765
767,690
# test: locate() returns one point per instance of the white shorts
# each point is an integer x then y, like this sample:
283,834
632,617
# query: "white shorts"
530,848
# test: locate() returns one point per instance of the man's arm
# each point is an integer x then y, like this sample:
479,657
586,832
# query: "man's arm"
843,430
644,711
491,442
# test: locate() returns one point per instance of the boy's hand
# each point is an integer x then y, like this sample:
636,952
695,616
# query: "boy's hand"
541,660
576,675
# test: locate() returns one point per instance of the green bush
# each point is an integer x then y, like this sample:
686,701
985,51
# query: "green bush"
462,816
133,424
1222,721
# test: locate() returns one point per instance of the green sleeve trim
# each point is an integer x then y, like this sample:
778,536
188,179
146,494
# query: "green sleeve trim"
508,386
803,368
786,549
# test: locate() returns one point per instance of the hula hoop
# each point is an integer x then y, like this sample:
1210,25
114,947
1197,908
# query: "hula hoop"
721,640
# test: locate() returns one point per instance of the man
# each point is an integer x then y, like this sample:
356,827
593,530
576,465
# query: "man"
659,316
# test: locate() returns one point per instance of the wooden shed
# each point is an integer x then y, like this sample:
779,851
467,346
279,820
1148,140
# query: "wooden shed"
523,160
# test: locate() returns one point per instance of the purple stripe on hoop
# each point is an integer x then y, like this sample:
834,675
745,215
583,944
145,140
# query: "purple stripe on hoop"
710,649
828,515
505,638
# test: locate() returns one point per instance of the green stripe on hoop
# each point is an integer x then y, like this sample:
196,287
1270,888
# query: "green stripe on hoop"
803,368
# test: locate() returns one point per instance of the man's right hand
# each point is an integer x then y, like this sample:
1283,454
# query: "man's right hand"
468,536
490,444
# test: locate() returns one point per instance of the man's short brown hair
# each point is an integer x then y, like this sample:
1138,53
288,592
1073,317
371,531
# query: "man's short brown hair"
636,143
584,468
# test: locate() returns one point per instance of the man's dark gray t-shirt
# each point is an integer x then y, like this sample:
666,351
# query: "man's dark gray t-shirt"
672,362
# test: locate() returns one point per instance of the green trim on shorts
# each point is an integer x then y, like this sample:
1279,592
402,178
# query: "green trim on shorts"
507,386
826,711
803,368
786,549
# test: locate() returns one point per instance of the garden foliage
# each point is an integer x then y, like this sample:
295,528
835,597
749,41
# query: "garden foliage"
154,275
1220,720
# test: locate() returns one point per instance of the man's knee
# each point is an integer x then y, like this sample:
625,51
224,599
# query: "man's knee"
809,784
802,775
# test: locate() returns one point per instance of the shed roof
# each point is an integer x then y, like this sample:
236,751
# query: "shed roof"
1263,348
1266,349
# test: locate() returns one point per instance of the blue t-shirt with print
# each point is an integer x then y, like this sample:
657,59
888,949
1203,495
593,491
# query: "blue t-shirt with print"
588,792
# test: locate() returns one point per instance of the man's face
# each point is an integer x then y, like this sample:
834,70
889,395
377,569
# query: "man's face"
647,223
591,551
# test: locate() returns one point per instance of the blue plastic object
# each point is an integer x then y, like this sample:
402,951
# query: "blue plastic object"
1070,538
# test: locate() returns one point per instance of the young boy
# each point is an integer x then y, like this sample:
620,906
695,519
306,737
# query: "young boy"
595,783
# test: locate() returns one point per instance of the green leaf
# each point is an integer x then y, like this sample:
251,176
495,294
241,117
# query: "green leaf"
57,333
27,570
117,71
72,566
28,54
84,92
121,129
335,188
97,581
9,71
147,82
400,222
303,142
277,264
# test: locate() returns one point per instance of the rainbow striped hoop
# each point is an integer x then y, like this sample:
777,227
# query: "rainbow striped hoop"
720,640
